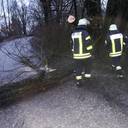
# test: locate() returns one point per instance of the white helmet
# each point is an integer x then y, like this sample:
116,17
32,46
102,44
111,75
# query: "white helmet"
113,27
83,21
71,19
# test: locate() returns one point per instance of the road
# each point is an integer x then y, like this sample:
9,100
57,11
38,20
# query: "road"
101,103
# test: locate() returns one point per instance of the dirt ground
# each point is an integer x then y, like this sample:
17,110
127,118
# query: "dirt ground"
99,103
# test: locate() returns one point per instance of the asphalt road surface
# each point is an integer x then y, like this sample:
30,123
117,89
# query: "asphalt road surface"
101,103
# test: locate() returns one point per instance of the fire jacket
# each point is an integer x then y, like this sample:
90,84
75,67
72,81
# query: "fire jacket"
81,43
115,42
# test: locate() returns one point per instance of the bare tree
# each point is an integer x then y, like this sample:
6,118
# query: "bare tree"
117,13
46,4
4,13
75,9
9,14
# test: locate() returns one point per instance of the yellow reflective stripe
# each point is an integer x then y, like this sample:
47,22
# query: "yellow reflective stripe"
78,77
80,44
88,37
121,41
89,47
113,46
82,57
115,54
85,54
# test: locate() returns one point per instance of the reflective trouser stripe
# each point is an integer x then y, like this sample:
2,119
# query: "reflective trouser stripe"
87,75
113,66
83,73
89,47
78,77
118,68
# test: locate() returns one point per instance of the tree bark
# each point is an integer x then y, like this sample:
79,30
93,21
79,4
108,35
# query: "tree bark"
47,9
75,10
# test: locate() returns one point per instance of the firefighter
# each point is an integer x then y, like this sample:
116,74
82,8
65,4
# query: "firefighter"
115,44
82,51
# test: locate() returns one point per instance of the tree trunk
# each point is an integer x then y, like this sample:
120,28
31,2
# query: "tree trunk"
47,9
75,10
5,18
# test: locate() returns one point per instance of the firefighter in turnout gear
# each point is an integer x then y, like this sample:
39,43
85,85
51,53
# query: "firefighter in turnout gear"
115,44
82,51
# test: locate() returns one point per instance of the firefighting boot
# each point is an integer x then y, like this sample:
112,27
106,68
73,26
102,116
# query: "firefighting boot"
87,79
79,83
78,80
113,67
119,72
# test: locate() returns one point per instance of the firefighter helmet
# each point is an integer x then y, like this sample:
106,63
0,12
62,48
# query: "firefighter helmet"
113,27
83,21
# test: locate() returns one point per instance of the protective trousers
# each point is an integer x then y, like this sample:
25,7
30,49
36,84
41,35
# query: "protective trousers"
83,68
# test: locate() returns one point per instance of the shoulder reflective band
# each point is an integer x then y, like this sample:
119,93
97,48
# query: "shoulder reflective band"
87,75
118,68
88,37
78,77
78,35
89,47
